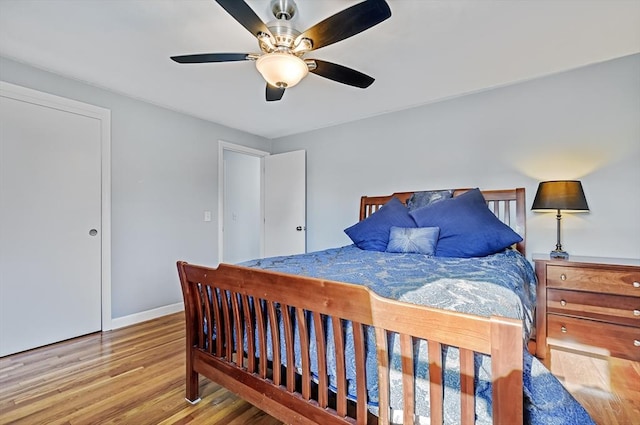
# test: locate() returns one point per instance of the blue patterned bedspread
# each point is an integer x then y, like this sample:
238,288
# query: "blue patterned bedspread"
502,284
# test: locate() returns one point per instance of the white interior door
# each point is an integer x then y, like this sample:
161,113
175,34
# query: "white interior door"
285,204
50,225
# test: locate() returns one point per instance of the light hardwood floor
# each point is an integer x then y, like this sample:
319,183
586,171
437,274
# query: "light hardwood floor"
609,388
135,375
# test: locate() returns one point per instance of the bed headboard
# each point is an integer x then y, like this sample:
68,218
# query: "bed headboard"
508,205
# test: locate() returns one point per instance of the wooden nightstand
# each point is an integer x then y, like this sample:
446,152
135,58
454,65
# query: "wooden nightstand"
588,303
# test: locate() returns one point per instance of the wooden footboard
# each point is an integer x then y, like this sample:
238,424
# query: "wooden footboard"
232,316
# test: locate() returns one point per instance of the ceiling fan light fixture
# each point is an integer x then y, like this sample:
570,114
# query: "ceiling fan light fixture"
282,70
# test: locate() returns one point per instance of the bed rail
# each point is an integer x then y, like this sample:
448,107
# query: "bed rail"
232,316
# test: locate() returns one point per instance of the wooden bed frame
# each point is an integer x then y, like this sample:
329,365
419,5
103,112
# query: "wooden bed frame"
224,301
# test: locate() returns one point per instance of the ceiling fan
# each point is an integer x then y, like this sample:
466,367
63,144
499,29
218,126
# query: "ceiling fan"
281,61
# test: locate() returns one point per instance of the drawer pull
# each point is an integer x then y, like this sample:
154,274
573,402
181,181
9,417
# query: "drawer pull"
564,277
563,329
636,284
636,343
563,303
636,312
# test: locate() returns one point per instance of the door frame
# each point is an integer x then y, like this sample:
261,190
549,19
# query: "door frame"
103,115
232,147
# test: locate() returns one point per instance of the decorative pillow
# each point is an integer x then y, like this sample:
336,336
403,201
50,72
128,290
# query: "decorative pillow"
428,197
467,227
420,240
372,233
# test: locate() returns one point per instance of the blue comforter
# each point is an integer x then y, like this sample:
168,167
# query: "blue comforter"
501,284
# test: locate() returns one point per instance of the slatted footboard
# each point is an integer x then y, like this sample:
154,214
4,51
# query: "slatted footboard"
234,338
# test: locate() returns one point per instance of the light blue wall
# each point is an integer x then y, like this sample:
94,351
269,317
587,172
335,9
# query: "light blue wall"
583,124
164,168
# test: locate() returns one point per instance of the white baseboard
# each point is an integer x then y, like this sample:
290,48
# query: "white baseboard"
143,316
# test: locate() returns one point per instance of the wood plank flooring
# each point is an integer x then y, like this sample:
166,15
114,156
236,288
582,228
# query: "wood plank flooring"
609,388
135,375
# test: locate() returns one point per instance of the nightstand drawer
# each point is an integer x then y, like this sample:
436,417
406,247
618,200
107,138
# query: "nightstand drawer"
611,308
617,340
620,282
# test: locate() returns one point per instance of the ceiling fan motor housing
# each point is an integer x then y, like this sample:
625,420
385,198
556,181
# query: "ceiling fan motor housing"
284,34
281,28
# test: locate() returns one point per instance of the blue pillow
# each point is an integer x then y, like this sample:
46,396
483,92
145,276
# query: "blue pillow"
372,233
419,240
467,227
427,197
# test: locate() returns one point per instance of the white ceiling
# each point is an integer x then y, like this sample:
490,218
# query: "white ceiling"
427,51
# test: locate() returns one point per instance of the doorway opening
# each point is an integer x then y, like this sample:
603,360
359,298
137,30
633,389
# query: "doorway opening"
240,203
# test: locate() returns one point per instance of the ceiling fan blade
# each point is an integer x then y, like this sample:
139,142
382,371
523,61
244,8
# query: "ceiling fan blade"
347,23
242,12
274,93
342,74
211,57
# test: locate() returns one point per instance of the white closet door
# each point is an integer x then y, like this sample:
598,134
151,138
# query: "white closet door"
50,235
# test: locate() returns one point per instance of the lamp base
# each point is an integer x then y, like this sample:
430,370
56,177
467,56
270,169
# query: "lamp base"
559,255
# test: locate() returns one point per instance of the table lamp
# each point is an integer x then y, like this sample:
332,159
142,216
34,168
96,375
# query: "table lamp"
560,195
